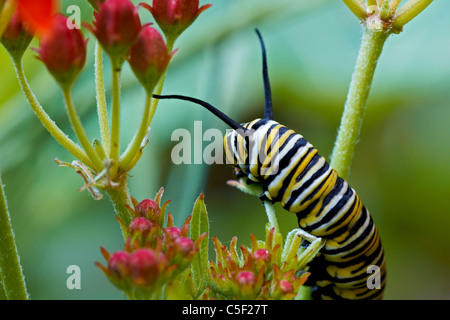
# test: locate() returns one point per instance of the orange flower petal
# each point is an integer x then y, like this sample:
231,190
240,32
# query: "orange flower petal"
38,14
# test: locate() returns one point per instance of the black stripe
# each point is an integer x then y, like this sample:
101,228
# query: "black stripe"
296,193
351,245
290,177
332,213
315,176
287,159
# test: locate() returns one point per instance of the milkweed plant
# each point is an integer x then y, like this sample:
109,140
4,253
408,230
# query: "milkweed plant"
160,260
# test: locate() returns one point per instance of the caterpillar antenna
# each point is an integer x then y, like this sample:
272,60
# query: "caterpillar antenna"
268,109
222,116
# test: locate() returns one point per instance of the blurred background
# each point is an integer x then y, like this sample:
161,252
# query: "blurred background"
401,168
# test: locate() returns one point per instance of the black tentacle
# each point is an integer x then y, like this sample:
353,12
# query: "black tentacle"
268,109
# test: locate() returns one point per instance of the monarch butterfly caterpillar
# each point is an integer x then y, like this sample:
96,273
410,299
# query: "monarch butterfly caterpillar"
291,171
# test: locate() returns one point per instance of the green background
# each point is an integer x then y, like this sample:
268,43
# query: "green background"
401,168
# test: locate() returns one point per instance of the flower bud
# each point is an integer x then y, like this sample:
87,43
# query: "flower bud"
147,208
116,26
145,266
149,57
262,254
63,51
118,264
16,38
140,227
185,245
246,278
286,286
174,16
173,232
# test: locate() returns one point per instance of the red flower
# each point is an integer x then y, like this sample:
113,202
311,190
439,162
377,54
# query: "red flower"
174,16
140,227
116,26
145,266
147,207
246,278
185,245
16,37
118,264
63,51
38,15
149,57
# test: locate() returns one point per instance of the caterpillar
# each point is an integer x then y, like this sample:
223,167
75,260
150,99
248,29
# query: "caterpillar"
291,171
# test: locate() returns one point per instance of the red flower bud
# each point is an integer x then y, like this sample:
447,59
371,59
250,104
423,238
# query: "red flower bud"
149,57
174,16
116,26
246,278
147,207
286,286
16,37
173,232
145,266
262,254
185,245
63,51
118,264
141,226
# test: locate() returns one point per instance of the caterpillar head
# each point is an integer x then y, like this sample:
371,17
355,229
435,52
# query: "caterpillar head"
238,130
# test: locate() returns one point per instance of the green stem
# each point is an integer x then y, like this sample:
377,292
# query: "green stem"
371,47
394,5
115,123
46,121
133,152
135,144
121,199
80,133
271,216
409,11
101,99
358,8
12,277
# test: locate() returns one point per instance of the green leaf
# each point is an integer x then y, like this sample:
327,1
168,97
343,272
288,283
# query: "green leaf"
200,225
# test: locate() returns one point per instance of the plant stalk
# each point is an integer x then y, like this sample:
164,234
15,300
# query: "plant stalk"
11,276
46,121
101,99
371,48
115,122
135,144
120,198
133,152
80,133
409,11
357,7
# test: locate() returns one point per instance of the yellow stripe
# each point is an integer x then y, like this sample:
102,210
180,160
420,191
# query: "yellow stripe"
293,185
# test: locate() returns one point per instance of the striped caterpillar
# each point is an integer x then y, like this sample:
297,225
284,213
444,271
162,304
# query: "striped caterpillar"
291,171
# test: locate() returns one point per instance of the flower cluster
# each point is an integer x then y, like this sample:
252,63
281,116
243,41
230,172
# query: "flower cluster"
153,255
254,274
118,28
